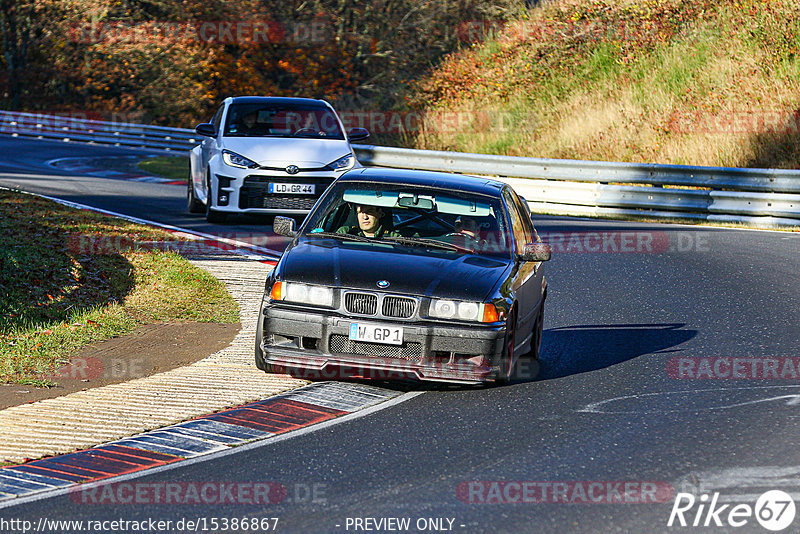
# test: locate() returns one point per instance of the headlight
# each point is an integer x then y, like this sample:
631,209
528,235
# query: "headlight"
463,311
302,294
343,163
235,160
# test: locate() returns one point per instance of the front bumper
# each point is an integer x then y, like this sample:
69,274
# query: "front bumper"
317,346
246,190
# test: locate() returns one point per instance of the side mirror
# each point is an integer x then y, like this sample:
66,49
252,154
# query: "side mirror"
206,129
358,134
284,226
536,252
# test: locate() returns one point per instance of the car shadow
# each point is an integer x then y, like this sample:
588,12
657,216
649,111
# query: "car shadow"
579,349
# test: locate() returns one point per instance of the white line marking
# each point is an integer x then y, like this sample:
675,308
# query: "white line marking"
596,407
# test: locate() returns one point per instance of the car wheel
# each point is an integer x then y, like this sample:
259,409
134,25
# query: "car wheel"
213,216
193,205
260,363
528,363
507,360
536,346
536,337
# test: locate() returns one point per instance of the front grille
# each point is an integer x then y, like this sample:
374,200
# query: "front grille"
361,303
249,199
409,351
253,193
400,307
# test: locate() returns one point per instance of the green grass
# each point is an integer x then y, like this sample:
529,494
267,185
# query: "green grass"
172,167
603,62
172,288
57,294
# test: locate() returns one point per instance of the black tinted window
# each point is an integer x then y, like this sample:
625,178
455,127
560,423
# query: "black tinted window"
271,120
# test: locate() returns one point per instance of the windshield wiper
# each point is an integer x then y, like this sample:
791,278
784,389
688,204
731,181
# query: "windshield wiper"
432,243
344,237
251,135
413,241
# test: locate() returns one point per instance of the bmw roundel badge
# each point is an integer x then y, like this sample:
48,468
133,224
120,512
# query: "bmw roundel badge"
383,284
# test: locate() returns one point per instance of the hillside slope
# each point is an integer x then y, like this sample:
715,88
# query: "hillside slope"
713,82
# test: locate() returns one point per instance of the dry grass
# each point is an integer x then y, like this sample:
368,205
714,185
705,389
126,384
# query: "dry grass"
720,88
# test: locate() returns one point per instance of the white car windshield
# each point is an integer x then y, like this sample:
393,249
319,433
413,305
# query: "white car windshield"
281,120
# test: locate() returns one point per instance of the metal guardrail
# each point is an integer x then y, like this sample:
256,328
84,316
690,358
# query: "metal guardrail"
763,197
122,134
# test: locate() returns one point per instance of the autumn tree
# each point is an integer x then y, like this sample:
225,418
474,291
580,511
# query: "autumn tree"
155,60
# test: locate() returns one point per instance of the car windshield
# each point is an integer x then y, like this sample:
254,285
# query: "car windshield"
281,120
411,216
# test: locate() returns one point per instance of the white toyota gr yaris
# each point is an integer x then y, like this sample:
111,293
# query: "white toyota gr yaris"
268,155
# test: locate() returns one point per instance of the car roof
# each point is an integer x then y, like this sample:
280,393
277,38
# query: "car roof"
445,180
277,100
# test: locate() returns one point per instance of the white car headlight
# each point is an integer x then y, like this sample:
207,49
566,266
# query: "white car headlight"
463,311
235,160
302,294
444,309
343,163
468,311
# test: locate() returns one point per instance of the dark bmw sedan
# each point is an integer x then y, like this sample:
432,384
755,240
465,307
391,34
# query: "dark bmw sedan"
401,274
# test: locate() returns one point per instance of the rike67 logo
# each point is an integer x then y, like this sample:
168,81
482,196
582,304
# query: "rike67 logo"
773,510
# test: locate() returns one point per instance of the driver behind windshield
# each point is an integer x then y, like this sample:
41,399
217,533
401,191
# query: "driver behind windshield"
467,226
369,223
249,123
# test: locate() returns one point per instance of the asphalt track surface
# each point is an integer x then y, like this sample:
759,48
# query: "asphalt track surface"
606,406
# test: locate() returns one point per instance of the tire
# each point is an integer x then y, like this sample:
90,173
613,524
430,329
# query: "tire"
192,204
260,363
538,331
529,366
536,337
507,371
213,216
